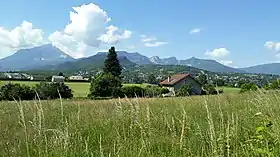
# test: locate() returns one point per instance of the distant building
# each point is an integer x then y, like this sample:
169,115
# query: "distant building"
18,76
175,82
58,79
76,77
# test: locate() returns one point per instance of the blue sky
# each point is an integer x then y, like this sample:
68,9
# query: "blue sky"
237,33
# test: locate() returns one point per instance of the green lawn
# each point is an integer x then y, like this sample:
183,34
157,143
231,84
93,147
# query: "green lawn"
80,89
230,89
205,126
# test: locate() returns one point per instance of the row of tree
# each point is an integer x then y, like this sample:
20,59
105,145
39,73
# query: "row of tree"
274,85
43,91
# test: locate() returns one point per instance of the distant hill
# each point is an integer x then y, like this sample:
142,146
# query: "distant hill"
93,62
25,59
272,68
209,65
134,57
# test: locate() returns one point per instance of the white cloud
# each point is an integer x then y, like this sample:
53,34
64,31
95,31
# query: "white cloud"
23,36
113,35
155,44
274,46
87,29
145,38
151,41
195,31
217,53
226,62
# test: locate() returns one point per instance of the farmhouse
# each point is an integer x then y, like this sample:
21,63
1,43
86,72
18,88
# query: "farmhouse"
58,78
175,82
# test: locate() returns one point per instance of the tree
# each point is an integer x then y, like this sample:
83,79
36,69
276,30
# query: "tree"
105,85
219,82
152,79
112,64
202,78
60,74
248,87
138,80
209,89
108,83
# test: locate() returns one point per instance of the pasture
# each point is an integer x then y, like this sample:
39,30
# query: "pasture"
220,125
81,89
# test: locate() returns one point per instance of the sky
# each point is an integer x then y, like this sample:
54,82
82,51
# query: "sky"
237,33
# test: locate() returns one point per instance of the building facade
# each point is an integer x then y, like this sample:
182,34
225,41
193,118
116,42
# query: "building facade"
175,82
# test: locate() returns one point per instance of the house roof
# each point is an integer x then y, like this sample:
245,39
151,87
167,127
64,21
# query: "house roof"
175,79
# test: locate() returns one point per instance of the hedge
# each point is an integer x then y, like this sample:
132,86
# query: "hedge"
44,90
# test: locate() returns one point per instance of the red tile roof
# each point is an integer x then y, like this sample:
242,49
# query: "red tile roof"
174,79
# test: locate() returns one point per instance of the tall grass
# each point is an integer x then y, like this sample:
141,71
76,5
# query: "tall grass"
222,125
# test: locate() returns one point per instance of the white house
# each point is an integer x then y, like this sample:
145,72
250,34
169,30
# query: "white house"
58,79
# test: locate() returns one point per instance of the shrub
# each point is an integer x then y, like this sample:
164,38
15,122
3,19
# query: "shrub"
248,87
274,85
105,85
16,92
154,91
210,89
133,91
50,90
148,91
185,90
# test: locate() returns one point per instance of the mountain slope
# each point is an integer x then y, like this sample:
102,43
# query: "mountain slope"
272,68
209,65
34,57
133,57
96,61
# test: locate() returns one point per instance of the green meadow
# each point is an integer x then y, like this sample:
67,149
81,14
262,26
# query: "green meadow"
81,89
220,125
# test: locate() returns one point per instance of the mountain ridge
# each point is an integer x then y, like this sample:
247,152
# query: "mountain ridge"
29,58
48,56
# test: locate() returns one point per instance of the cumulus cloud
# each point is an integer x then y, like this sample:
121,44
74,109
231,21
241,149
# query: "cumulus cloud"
87,29
274,46
217,53
113,35
226,62
195,31
23,36
151,41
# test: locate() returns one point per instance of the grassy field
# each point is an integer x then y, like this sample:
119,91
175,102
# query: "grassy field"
221,125
81,89
230,89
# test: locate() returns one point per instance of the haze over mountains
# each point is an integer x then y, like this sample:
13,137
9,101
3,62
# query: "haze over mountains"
48,57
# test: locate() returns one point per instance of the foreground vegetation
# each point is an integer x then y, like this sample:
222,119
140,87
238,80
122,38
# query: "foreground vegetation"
222,125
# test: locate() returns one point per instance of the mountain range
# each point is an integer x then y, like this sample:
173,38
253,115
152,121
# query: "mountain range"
48,57
33,58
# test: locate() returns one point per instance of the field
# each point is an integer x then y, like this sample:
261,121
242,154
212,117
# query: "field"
81,89
221,125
